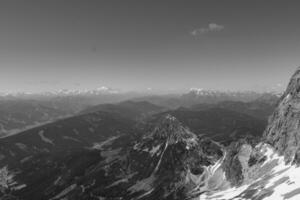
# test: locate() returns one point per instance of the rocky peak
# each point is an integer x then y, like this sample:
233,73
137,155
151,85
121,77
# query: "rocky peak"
294,84
283,130
170,129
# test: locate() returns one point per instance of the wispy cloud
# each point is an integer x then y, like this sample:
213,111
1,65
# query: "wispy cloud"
212,27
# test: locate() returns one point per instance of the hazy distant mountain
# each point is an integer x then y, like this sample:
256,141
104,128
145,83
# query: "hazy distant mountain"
79,98
24,111
259,108
129,109
211,96
268,98
195,96
17,115
63,92
168,100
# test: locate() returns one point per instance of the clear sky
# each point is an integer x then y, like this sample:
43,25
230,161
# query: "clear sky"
134,45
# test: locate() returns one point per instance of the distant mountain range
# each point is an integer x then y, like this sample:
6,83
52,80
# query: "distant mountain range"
17,115
23,111
128,109
258,109
207,96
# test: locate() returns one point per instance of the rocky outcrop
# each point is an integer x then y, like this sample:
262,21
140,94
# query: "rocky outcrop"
241,160
179,159
283,131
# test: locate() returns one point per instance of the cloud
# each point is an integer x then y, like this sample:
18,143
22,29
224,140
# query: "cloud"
212,27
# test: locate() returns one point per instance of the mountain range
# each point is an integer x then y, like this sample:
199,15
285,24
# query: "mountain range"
194,146
24,111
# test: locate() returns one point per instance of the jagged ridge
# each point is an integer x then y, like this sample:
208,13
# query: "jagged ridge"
171,129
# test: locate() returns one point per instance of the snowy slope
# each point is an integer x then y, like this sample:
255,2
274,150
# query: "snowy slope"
272,179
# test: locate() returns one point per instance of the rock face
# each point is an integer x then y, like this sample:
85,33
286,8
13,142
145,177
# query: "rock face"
241,160
283,131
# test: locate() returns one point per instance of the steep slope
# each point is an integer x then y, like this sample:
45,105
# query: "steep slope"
262,174
283,131
40,162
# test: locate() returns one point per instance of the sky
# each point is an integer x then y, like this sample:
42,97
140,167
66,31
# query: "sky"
156,45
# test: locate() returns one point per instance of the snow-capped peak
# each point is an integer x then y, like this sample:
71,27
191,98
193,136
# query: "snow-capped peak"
196,90
105,89
65,92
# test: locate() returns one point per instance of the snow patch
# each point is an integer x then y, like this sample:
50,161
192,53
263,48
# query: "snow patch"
99,146
21,146
44,138
143,185
64,192
154,150
71,138
279,181
123,180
